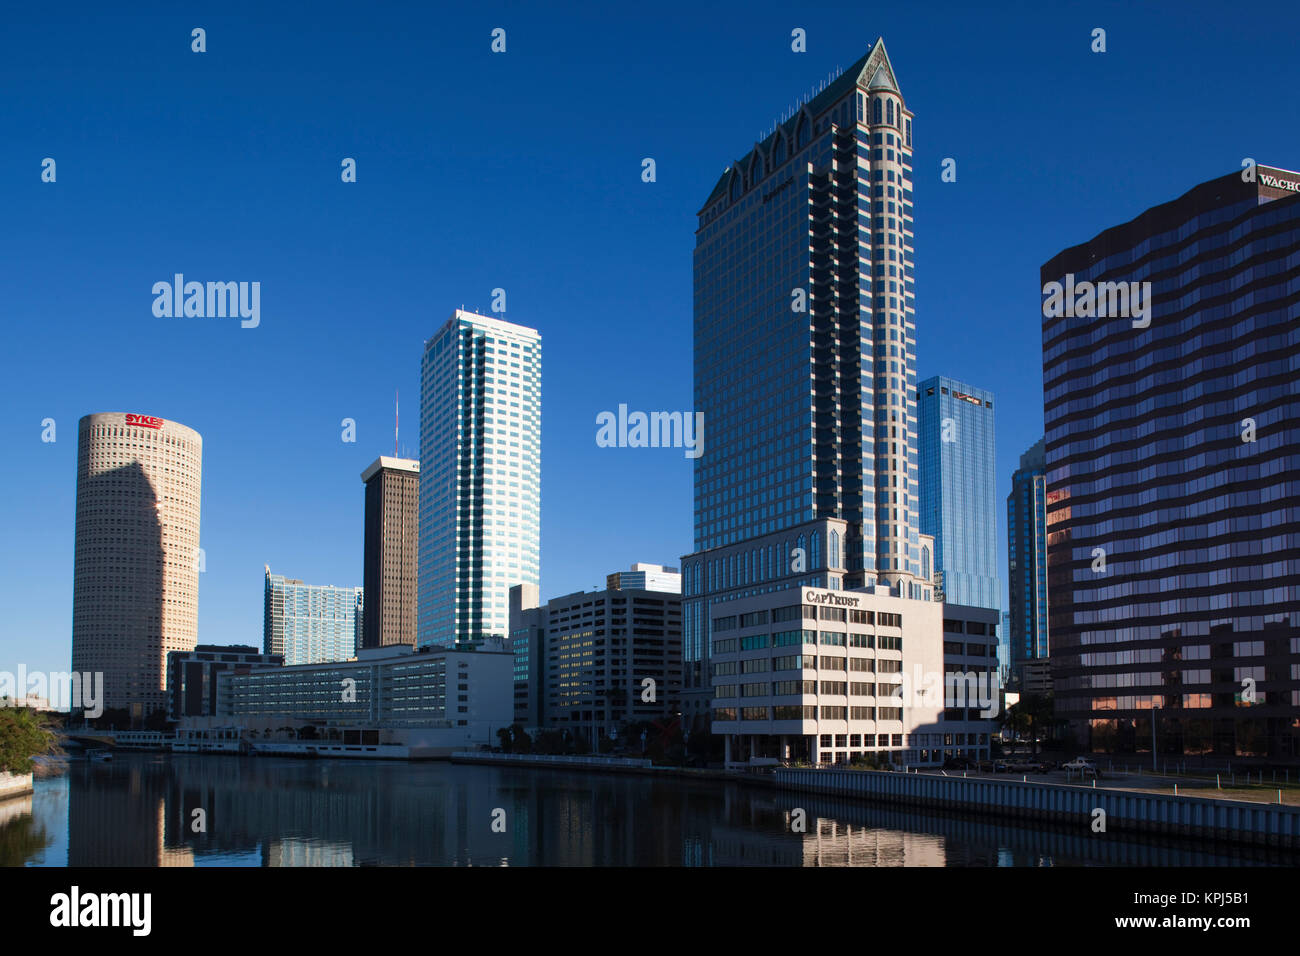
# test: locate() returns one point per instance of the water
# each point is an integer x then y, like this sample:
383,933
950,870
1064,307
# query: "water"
139,810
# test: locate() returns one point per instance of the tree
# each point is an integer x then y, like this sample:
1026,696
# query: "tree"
24,734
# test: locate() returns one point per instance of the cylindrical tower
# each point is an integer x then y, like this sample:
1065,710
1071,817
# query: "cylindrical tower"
137,557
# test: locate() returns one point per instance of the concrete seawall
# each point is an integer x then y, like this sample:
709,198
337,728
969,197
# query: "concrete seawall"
1260,824
15,784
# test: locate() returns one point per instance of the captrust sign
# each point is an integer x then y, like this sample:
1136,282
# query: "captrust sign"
829,597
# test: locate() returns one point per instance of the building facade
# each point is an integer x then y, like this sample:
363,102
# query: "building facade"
1027,632
480,477
593,660
850,674
192,675
388,686
1169,360
136,555
391,551
311,623
805,348
959,489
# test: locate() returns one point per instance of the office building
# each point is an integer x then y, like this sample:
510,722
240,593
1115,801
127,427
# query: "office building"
851,674
480,476
1169,364
135,593
192,675
959,489
391,549
1027,631
805,350
311,623
646,577
593,660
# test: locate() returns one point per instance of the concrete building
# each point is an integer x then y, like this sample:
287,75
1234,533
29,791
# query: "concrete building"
805,351
135,593
959,488
1169,367
392,530
391,696
584,659
480,476
310,623
1027,634
818,675
192,675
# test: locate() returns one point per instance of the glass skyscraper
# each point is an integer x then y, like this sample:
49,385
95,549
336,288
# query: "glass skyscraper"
480,476
959,489
1173,473
310,623
1027,561
805,344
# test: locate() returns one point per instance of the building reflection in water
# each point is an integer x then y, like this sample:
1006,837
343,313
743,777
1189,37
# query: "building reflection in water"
139,810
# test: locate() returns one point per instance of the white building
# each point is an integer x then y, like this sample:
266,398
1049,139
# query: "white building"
135,593
825,675
480,476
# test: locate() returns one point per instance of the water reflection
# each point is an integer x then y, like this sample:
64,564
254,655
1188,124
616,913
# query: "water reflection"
140,810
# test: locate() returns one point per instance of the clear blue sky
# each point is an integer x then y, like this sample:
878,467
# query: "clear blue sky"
522,171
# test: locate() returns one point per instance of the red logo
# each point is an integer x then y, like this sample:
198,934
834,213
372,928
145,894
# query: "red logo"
144,421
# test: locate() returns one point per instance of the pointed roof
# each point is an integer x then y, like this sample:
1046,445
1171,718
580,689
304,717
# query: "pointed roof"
874,65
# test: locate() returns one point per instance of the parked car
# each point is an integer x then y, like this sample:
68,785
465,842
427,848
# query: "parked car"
1081,764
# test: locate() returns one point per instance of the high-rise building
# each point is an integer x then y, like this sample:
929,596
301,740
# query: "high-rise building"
1169,366
135,594
646,577
805,346
583,659
311,623
1027,571
480,476
959,489
391,550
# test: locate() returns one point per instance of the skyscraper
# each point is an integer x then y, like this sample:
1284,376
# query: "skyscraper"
311,623
480,476
959,489
135,592
1027,571
805,342
391,544
1171,425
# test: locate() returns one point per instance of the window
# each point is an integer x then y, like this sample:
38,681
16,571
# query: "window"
876,111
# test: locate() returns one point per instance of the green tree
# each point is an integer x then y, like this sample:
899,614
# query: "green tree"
24,734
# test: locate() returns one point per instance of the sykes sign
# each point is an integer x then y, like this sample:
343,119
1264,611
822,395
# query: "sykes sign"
144,421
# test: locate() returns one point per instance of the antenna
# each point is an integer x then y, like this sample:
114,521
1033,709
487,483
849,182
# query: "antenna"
397,420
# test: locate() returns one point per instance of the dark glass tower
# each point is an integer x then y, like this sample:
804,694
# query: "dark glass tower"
1027,563
1173,476
805,343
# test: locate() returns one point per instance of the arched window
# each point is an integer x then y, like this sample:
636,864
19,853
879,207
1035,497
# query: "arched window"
736,185
816,557
925,563
833,550
803,134
889,112
803,551
875,110
756,170
909,132
778,151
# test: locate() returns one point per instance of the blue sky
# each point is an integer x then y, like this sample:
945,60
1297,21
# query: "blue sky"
520,171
